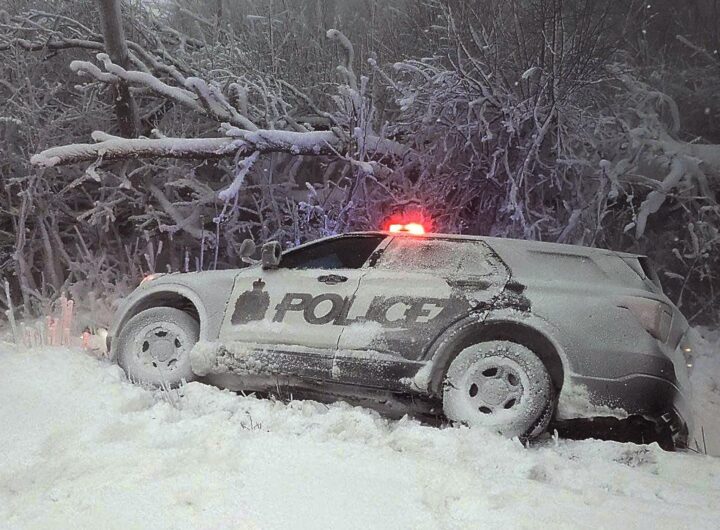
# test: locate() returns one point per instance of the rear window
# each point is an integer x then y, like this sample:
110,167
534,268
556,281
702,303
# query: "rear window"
436,255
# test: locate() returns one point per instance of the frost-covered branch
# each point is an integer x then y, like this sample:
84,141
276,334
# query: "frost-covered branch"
238,143
53,43
346,69
196,95
123,148
188,224
57,32
242,168
115,72
216,105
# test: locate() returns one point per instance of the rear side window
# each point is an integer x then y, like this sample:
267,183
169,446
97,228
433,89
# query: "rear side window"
436,255
650,271
645,274
341,253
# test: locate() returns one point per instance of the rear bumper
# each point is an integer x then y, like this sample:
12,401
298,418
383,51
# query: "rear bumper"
667,431
641,395
637,375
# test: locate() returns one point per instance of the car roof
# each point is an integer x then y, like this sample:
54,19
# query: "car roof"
501,242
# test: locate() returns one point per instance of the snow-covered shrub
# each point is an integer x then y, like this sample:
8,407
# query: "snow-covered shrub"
555,141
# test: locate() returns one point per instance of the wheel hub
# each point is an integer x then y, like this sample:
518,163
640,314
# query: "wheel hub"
162,350
160,345
493,387
494,392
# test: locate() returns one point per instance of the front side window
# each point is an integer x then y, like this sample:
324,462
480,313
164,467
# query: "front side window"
342,253
442,256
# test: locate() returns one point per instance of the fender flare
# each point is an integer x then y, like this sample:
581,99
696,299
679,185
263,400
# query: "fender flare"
136,302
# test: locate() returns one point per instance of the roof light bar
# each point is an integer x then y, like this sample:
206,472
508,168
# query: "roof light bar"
409,228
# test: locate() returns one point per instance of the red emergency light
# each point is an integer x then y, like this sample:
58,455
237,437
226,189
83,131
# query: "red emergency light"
415,223
416,229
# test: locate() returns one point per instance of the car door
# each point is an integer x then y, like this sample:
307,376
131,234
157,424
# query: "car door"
417,288
290,318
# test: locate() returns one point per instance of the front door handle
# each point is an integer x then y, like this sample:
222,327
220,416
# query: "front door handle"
332,279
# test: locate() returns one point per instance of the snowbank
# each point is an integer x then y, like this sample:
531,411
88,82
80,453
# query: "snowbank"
82,448
705,379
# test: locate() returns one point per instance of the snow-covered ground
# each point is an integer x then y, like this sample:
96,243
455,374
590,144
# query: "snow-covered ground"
705,379
82,448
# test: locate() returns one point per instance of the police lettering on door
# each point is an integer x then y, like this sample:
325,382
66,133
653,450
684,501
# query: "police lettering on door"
332,308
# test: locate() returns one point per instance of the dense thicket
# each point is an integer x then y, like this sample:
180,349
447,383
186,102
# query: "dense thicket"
590,122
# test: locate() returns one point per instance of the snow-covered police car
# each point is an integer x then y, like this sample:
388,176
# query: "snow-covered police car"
500,333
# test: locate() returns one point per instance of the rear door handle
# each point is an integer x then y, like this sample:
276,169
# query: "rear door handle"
332,279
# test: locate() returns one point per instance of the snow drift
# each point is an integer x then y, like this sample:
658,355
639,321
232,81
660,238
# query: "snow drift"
81,447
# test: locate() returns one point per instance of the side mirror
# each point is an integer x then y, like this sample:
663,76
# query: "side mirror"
271,253
247,249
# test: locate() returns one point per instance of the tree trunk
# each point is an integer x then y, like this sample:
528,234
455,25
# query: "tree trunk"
116,48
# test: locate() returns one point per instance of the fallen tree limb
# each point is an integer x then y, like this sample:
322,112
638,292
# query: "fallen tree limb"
114,148
239,142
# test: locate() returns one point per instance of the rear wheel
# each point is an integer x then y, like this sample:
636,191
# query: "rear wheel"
499,385
154,346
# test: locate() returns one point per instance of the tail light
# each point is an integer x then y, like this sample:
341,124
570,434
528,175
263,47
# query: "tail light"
654,316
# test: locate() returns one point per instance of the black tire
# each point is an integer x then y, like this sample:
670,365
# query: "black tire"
153,347
501,386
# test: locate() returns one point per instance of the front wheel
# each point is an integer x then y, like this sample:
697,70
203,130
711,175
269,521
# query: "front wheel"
499,385
154,346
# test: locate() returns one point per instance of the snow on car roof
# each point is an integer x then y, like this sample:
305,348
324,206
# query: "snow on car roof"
561,248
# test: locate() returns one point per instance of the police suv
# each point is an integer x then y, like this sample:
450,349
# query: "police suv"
504,334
